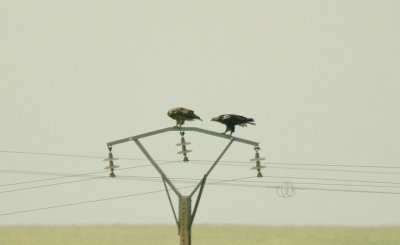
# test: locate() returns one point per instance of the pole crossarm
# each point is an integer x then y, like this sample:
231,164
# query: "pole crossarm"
212,167
170,202
199,130
203,182
151,160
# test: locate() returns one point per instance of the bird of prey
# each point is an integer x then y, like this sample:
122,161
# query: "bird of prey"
181,114
230,120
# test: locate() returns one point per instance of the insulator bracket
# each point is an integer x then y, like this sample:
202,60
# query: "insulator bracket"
183,143
257,159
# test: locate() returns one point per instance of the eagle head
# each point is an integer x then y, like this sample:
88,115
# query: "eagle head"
217,119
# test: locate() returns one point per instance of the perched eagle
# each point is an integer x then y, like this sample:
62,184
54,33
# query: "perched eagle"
230,120
181,114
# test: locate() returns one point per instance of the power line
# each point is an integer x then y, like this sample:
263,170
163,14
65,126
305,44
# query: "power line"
50,154
315,169
140,178
68,175
236,165
341,190
73,155
62,175
110,198
83,202
198,162
62,183
85,174
261,184
143,159
332,179
316,189
274,182
150,178
319,164
54,184
221,182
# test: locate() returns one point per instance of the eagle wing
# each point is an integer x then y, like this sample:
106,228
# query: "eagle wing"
236,119
182,114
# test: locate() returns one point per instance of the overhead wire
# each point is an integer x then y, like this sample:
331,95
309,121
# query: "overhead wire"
332,179
341,190
67,175
308,164
195,160
212,183
198,162
65,182
271,182
64,155
54,184
151,178
62,175
240,182
111,198
315,169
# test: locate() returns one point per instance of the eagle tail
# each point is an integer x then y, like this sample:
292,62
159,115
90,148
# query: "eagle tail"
250,121
197,117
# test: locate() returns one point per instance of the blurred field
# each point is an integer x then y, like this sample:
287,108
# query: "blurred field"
201,235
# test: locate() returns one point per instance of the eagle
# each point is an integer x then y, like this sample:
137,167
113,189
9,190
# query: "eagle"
230,120
181,114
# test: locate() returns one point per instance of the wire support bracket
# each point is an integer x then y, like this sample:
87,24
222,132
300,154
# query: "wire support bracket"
171,204
199,130
203,182
151,160
212,166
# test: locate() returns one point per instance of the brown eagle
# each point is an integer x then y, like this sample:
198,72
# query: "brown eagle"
181,114
230,120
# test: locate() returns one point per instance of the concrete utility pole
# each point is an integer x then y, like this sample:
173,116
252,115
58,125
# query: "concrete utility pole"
186,215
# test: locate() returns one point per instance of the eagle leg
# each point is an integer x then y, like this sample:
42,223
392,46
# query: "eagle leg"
232,129
181,122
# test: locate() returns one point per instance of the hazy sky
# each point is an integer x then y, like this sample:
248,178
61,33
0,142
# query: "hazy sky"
320,78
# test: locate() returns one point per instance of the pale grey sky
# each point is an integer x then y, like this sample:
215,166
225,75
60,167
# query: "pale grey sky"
320,78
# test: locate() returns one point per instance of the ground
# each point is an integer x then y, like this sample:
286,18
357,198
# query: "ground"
201,235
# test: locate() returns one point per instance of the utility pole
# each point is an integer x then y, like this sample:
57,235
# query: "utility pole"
185,217
186,214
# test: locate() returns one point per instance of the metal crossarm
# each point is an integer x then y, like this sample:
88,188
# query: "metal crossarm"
200,130
214,164
157,168
170,202
203,182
